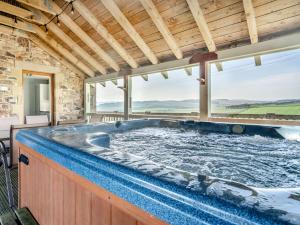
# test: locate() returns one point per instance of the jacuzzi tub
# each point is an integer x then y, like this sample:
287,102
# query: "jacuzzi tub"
144,163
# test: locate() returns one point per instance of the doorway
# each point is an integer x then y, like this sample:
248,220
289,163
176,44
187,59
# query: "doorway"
38,94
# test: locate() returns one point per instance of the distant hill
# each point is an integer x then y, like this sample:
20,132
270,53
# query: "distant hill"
190,105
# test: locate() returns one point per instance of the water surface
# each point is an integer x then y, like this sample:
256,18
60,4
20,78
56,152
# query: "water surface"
252,160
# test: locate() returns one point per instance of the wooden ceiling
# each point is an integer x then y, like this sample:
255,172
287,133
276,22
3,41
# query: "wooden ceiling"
113,35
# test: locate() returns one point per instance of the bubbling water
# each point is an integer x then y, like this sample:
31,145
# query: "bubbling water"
251,160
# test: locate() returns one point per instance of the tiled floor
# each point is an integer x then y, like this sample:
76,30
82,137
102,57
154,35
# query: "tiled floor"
3,193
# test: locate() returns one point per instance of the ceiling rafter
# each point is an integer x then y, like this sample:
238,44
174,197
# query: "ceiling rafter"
202,24
112,7
85,37
19,25
162,27
25,14
15,10
59,48
203,27
73,45
44,46
95,23
251,21
44,6
252,28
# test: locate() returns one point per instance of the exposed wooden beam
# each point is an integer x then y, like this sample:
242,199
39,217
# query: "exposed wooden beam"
111,6
59,48
145,77
85,37
257,60
165,74
44,6
74,46
13,31
202,24
27,15
162,27
54,54
219,66
188,71
14,10
251,21
203,27
115,82
94,22
19,25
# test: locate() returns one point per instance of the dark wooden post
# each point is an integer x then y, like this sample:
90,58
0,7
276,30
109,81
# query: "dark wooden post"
202,59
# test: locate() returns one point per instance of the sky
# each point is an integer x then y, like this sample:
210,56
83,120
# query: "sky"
277,78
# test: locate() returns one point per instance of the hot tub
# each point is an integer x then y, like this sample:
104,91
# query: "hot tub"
182,172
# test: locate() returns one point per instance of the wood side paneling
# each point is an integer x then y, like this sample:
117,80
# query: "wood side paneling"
119,217
83,206
56,196
101,211
69,202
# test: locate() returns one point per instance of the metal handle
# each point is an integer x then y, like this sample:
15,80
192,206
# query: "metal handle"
24,159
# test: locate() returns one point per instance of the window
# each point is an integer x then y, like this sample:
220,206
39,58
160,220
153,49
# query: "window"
244,89
110,98
177,94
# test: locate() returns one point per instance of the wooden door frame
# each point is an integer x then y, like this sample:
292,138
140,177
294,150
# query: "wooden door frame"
51,77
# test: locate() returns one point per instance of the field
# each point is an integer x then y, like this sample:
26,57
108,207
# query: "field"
280,109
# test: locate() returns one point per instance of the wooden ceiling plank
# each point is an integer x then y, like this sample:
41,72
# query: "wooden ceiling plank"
14,10
44,6
95,23
162,27
111,6
85,37
41,44
251,21
202,24
73,45
19,25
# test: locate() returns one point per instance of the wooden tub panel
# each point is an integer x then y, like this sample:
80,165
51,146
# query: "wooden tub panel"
57,196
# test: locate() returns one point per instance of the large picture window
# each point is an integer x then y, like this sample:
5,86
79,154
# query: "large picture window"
109,98
244,89
177,94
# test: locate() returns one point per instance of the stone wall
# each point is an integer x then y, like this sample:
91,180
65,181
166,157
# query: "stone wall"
19,53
